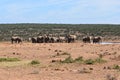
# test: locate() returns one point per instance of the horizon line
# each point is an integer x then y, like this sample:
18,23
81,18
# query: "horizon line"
66,23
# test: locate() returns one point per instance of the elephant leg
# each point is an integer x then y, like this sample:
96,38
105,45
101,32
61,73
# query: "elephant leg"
16,41
12,41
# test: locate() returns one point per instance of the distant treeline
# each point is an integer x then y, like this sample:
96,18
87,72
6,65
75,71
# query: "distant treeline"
31,30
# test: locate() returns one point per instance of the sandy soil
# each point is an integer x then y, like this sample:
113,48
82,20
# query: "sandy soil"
48,70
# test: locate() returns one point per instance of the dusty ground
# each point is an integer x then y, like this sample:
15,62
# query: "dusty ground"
48,70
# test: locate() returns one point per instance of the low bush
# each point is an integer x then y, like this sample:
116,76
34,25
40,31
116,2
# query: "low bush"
89,61
100,60
65,53
9,59
79,59
69,59
116,67
34,62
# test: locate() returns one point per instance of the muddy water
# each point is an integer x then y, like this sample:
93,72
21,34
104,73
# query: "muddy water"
110,43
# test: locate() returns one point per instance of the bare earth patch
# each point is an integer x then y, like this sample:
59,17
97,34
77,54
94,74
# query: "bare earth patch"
50,57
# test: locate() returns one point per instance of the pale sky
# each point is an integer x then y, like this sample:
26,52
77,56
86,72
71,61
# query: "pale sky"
60,11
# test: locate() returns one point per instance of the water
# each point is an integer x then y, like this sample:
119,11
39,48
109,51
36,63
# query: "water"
110,43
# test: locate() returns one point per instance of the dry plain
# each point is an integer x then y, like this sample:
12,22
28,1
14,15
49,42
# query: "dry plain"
50,56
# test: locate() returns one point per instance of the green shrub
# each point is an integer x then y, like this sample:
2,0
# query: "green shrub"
116,67
79,59
9,59
34,62
65,53
68,60
60,54
100,60
89,61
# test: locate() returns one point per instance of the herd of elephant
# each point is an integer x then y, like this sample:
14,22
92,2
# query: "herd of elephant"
90,39
48,39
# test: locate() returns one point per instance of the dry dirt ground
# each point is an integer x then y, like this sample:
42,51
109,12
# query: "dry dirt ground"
48,70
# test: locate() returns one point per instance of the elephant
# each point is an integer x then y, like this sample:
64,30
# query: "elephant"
34,39
43,39
71,38
46,39
40,39
55,39
16,39
61,39
51,40
97,39
86,39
